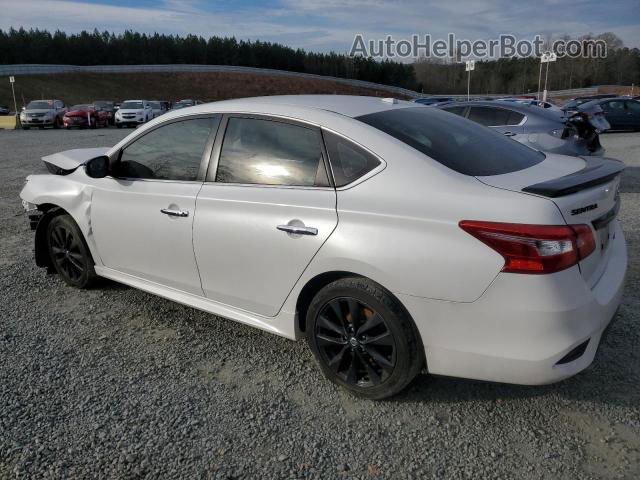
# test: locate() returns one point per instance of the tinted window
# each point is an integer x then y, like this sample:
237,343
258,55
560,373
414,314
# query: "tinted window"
348,161
616,106
170,152
457,110
515,118
489,116
268,152
455,142
633,107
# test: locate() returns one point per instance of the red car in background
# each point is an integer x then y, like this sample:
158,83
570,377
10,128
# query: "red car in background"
83,116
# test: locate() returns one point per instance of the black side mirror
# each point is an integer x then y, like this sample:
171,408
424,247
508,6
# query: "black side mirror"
97,167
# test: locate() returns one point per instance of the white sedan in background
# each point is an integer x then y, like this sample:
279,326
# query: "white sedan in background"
133,113
394,237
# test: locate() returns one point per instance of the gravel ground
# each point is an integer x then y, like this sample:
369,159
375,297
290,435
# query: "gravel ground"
117,383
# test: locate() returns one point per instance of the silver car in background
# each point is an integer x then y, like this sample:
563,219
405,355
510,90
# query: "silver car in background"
574,134
43,113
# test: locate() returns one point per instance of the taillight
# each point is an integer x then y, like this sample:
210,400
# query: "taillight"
534,248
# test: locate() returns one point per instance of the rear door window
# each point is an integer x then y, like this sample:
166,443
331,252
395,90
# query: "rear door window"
454,142
269,152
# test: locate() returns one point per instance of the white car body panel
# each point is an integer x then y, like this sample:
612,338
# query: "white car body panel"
131,246
233,218
398,229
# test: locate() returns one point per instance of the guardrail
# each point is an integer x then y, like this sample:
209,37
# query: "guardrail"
43,69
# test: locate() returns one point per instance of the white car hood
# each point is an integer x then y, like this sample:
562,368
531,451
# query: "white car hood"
72,159
137,111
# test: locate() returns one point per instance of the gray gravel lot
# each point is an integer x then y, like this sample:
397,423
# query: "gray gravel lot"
117,383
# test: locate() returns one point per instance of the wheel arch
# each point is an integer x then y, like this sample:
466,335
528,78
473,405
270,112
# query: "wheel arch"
316,283
41,250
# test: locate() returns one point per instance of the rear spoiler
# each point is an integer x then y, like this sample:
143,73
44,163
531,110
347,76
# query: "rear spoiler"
596,172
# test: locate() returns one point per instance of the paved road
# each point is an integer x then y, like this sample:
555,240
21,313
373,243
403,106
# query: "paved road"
117,383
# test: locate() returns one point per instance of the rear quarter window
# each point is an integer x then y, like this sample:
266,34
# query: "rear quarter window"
455,142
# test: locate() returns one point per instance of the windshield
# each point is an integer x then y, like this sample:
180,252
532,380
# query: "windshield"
180,105
457,143
155,105
40,105
131,106
102,104
81,107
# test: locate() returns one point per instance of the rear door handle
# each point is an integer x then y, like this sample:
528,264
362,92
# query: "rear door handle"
297,230
175,213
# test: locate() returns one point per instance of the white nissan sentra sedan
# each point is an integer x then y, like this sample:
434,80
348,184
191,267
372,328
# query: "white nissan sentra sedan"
394,237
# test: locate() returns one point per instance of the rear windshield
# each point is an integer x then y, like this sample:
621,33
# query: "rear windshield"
455,142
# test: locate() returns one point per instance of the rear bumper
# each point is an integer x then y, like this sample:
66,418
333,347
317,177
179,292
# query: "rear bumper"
525,329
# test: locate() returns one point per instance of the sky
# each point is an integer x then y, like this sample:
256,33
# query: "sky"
330,25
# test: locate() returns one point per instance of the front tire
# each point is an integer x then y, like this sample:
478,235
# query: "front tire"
363,339
69,253
56,123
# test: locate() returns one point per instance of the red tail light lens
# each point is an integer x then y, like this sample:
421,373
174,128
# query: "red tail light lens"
534,248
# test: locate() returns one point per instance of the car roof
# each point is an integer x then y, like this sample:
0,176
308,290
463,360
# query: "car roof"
347,105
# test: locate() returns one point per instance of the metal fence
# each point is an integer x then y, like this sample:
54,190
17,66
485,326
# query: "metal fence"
42,69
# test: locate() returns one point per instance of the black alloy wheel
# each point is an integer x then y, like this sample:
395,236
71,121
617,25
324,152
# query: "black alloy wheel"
69,253
355,342
363,339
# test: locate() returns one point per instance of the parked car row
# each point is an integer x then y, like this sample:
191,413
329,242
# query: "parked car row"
99,113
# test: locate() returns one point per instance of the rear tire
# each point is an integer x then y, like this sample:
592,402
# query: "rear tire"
25,128
69,252
363,339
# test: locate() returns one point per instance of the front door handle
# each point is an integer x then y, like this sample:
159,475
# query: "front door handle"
297,230
175,213
510,134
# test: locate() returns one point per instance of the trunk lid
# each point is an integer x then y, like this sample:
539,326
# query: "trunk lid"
585,190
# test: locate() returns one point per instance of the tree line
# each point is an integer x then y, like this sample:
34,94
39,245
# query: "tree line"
520,75
505,75
132,48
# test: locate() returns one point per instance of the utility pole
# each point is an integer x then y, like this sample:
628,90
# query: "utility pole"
551,57
12,80
471,65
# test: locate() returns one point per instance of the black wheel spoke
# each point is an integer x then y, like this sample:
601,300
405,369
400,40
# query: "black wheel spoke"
378,358
372,322
338,357
332,341
373,375
330,325
75,263
337,312
352,372
57,251
57,238
382,339
355,342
